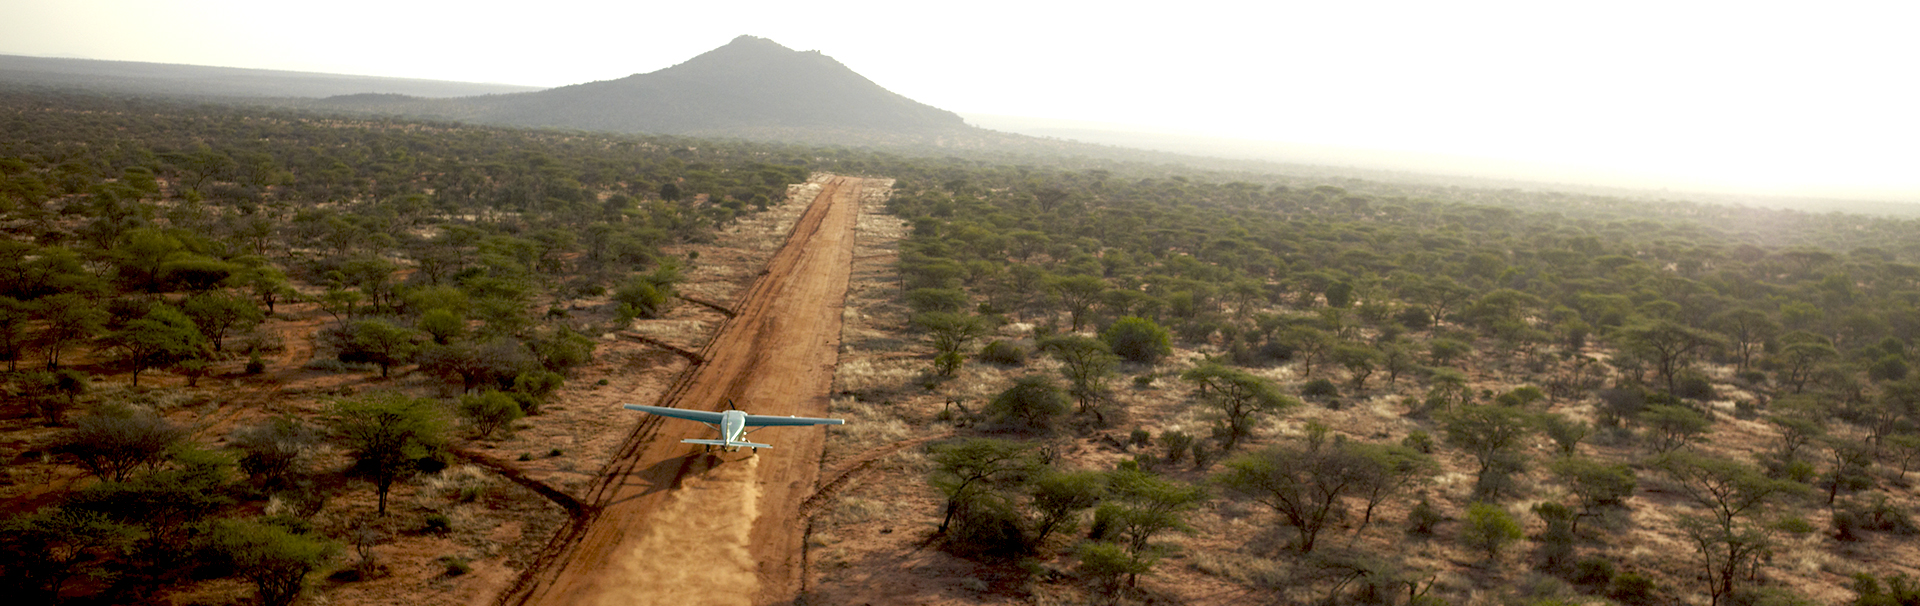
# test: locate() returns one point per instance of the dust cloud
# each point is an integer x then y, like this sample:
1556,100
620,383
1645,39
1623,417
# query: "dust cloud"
694,551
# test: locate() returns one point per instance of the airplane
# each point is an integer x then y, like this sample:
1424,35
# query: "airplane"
732,424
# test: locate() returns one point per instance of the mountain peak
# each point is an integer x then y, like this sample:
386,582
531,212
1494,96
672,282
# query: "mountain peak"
751,86
748,40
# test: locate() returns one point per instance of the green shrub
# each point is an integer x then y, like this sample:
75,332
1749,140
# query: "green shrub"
950,300
562,349
1489,529
1033,402
533,388
1203,456
1004,353
1889,368
490,411
1137,339
643,298
1767,596
1423,517
437,523
275,559
1177,444
1320,388
1594,572
1418,440
1849,523
1140,437
1693,386
985,526
1632,589
1899,590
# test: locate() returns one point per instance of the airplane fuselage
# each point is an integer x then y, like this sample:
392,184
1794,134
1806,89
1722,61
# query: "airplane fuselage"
733,426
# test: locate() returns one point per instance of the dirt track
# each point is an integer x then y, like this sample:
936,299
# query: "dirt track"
680,527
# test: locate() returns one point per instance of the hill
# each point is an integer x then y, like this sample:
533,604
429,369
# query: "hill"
163,79
751,86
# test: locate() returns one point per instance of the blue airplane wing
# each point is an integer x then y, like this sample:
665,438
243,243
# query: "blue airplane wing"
766,420
678,413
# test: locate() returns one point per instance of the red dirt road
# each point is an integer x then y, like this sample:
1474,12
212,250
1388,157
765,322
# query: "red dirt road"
676,526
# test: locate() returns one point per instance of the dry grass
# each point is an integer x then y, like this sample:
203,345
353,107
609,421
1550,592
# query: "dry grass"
883,375
673,331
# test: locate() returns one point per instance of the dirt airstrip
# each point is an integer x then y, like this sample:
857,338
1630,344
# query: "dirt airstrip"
675,525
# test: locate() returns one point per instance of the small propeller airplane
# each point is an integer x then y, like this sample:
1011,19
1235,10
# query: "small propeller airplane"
731,423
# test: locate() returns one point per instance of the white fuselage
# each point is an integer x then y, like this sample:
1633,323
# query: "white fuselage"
733,424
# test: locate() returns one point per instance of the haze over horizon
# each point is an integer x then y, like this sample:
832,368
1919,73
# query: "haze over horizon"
1717,96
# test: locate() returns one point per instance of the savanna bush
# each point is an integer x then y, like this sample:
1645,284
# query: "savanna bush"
1004,353
1137,339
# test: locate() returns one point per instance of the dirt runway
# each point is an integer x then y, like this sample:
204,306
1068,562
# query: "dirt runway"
676,526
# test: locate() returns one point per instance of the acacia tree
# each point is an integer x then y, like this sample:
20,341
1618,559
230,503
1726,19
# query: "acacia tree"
962,470
952,333
1360,361
1078,294
15,315
162,338
267,283
1746,330
276,560
52,394
1390,470
388,434
1032,403
1734,494
1057,498
1597,485
1088,365
40,553
1139,507
1307,485
1566,432
1238,396
218,313
1493,436
1671,346
112,444
377,340
1671,427
272,450
1309,344
1397,359
1800,358
65,319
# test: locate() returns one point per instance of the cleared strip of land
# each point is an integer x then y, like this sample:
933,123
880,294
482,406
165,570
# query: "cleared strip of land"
674,525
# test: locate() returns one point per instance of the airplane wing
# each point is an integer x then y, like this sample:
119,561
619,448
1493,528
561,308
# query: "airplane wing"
765,420
679,413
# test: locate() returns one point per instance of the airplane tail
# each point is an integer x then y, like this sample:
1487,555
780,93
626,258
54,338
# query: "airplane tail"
725,443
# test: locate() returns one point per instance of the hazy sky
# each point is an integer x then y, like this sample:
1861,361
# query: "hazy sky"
1758,96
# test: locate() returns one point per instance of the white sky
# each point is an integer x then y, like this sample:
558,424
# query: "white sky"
1758,96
